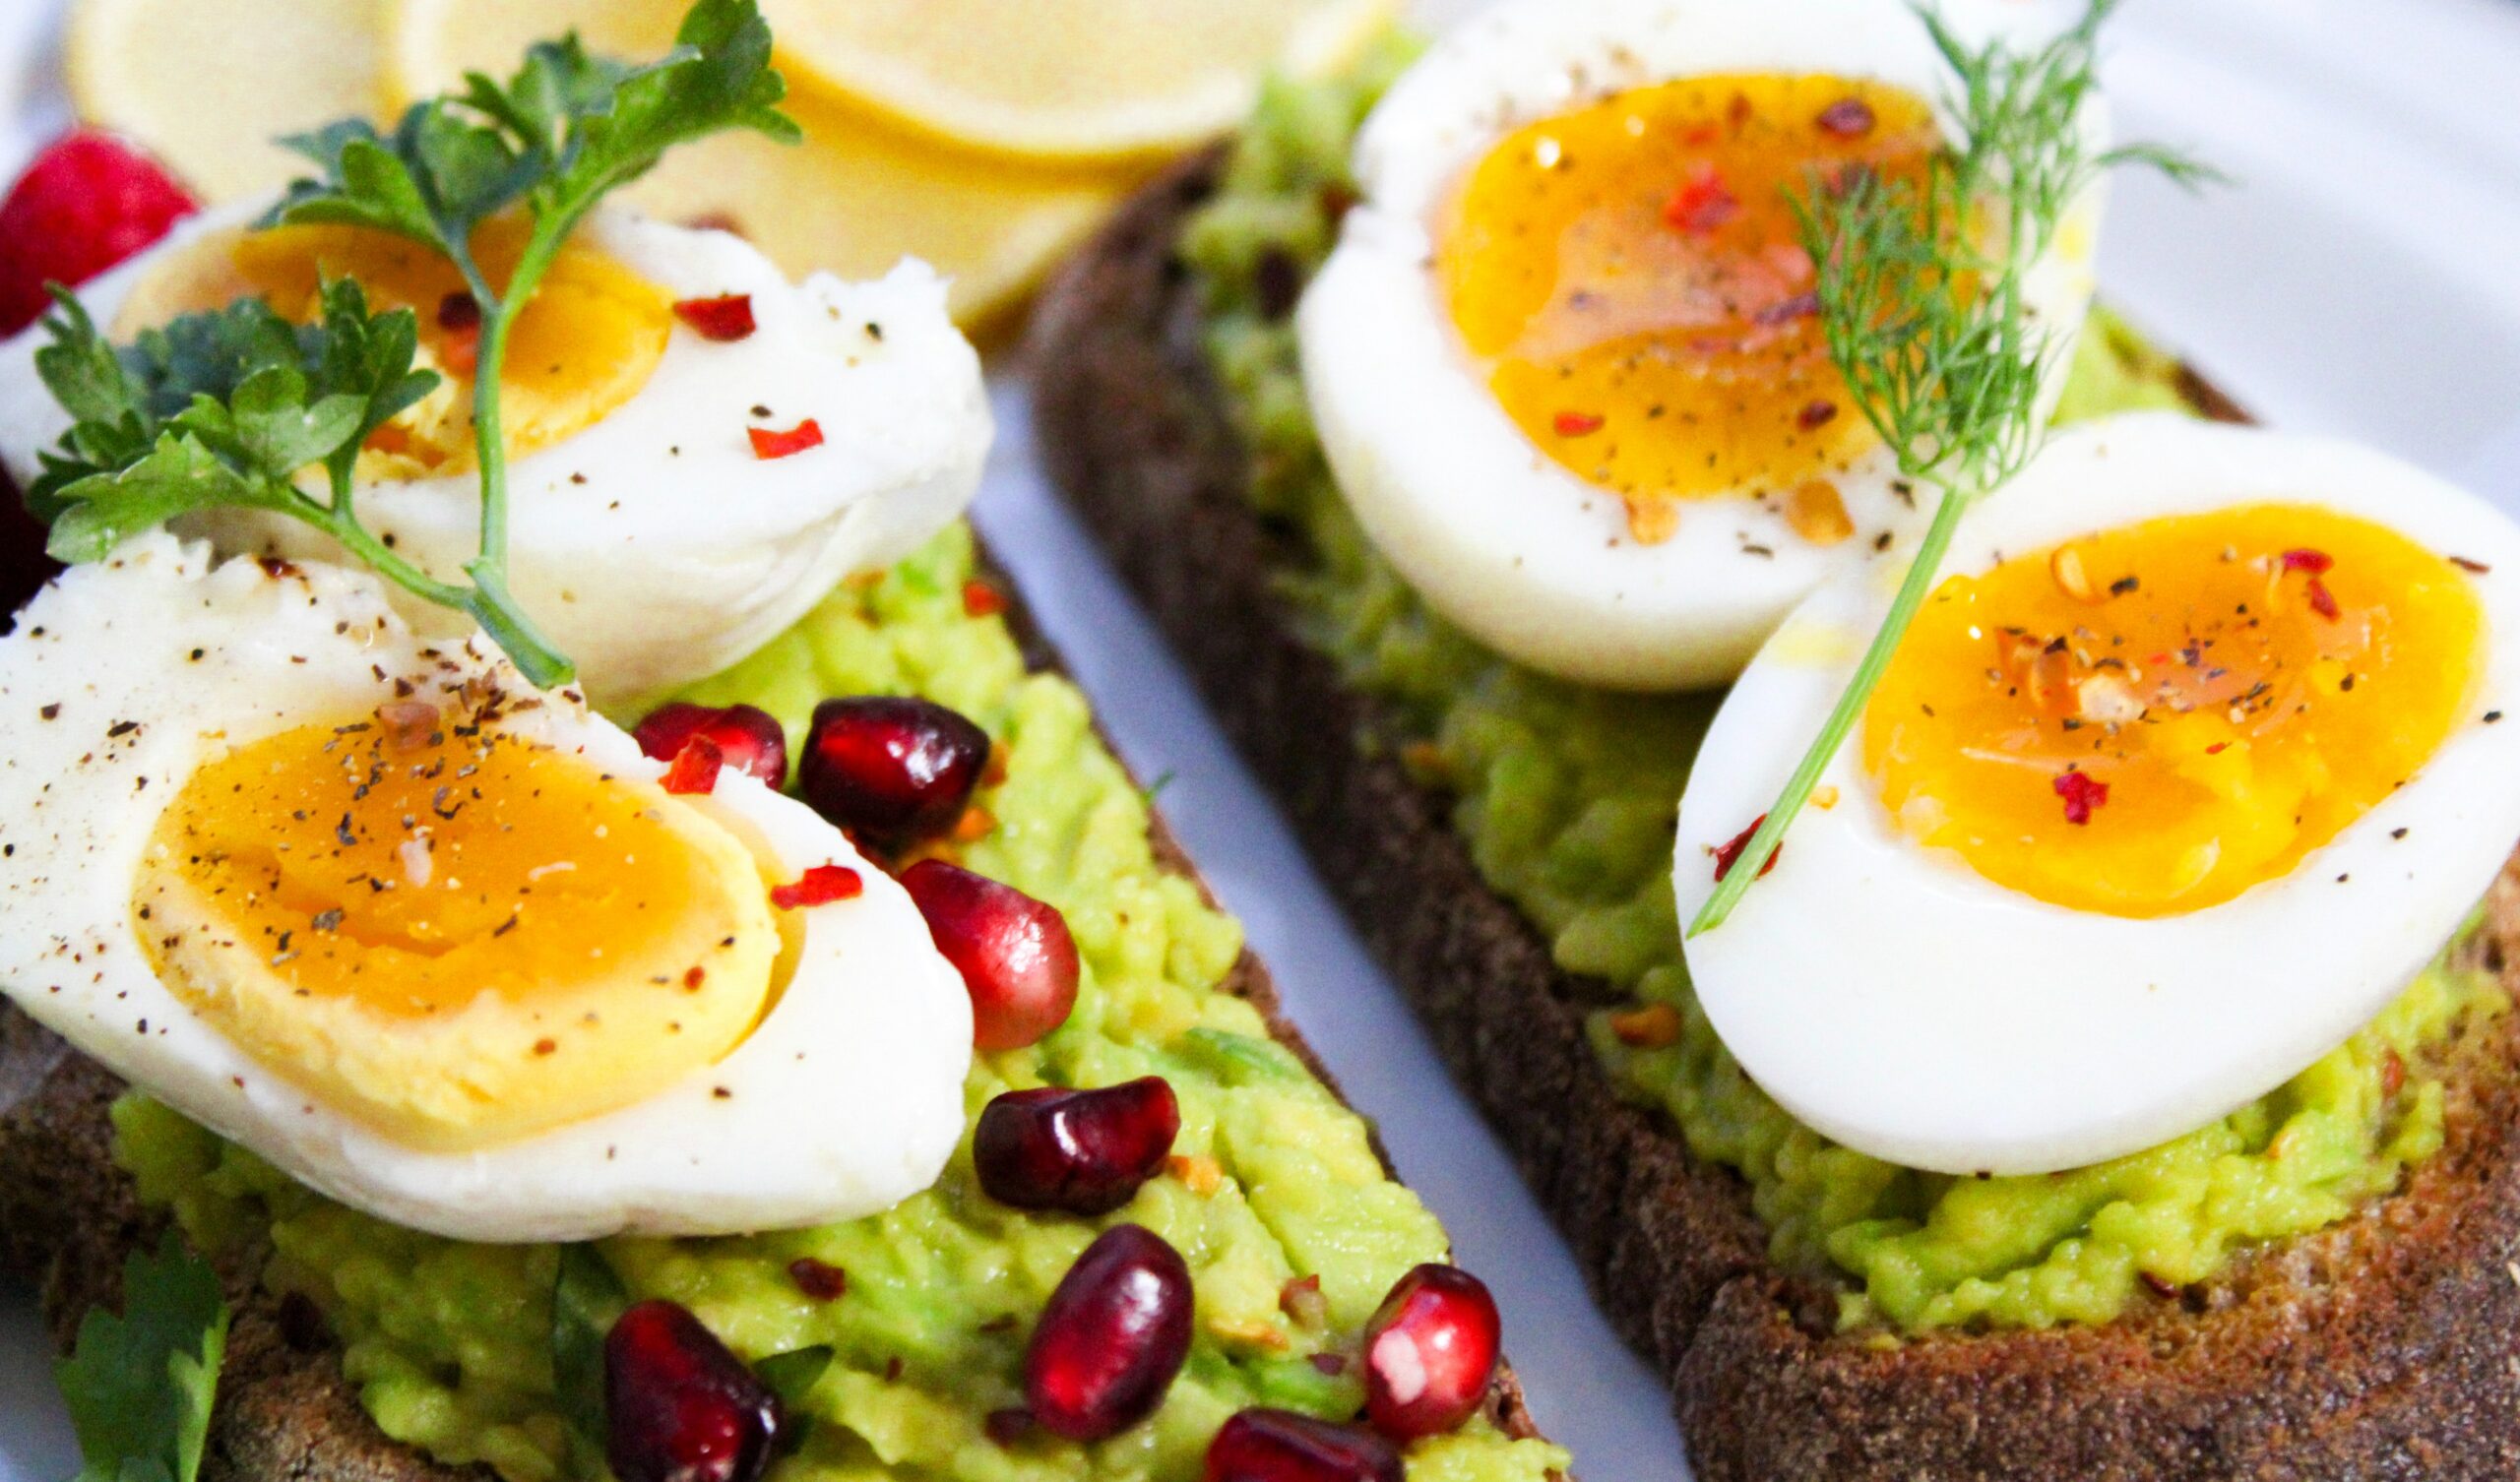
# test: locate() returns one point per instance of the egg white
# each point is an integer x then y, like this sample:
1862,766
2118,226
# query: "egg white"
124,678
654,547
1527,556
1903,1005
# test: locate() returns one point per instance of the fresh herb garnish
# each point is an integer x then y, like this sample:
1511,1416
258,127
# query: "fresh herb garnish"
230,407
587,1299
1921,292
139,1385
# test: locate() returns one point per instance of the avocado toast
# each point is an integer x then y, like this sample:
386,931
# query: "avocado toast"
1498,854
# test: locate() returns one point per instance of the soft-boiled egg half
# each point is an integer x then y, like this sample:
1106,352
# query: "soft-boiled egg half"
1566,360
2194,755
438,945
653,539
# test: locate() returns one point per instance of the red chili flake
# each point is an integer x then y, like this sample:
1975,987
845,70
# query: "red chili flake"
1730,853
459,314
2216,748
1576,423
818,1280
1816,415
2317,563
2322,601
768,445
2081,793
695,768
1847,119
724,319
2392,1075
1703,203
979,599
821,885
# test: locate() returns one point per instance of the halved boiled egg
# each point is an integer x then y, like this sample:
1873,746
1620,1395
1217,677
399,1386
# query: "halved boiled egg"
439,945
653,539
1566,360
2194,755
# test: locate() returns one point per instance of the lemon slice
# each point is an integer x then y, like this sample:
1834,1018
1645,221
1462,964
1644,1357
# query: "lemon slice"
207,84
1085,80
855,199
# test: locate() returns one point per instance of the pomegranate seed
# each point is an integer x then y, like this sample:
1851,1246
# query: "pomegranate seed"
1430,1353
724,319
1281,1446
1014,953
89,201
749,739
459,311
1728,853
820,886
681,1407
458,317
893,769
696,767
1084,1151
768,443
1111,1338
979,599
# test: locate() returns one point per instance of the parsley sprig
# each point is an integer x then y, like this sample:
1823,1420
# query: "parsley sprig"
1923,292
139,1385
230,407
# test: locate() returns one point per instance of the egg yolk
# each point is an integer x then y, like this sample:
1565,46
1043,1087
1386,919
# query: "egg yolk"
2155,719
582,346
1631,279
457,935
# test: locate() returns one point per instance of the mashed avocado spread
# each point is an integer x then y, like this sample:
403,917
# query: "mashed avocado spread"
1274,1180
1567,796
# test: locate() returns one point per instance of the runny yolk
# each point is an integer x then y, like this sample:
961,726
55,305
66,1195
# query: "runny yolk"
2153,720
584,345
455,933
1633,279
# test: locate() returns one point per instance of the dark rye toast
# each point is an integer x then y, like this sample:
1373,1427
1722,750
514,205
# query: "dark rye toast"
2386,1347
69,1215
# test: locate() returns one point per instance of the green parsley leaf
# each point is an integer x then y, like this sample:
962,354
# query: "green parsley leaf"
139,1385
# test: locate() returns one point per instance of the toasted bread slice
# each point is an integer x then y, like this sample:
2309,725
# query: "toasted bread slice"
69,1214
2387,1346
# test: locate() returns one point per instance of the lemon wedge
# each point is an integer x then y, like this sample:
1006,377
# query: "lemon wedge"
856,197
207,84
1104,80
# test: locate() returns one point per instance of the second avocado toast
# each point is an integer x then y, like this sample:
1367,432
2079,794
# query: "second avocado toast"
554,1095
2222,1306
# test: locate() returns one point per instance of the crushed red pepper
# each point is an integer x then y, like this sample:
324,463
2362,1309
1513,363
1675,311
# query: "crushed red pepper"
695,768
820,886
723,319
2082,793
1577,424
768,443
1703,203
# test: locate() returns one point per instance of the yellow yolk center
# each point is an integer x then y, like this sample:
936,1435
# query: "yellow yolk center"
457,935
2154,720
1631,279
584,345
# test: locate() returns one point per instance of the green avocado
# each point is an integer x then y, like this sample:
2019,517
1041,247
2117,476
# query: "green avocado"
1567,796
450,1344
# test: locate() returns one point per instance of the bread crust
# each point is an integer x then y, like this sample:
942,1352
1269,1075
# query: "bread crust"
69,1215
2385,1349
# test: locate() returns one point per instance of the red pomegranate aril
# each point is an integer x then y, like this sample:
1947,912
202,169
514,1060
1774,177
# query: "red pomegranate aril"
1281,1446
1014,953
1111,1338
1430,1353
1084,1151
679,1406
747,739
893,769
88,202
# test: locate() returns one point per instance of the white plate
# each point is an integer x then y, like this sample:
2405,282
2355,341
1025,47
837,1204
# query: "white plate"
2358,279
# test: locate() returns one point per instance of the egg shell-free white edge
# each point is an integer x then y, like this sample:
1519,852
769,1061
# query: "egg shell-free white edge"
1904,1006
654,548
846,1098
1528,557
